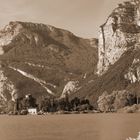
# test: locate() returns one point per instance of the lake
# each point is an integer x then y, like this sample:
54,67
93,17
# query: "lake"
70,127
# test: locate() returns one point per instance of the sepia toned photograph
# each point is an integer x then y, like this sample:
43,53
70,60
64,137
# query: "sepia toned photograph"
69,69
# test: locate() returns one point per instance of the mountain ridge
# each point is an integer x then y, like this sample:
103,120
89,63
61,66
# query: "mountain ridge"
40,59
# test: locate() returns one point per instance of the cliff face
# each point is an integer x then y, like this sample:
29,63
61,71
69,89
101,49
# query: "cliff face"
118,65
41,59
118,34
133,74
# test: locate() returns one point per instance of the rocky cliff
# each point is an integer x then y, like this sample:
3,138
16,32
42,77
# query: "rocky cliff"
118,65
119,37
41,59
118,34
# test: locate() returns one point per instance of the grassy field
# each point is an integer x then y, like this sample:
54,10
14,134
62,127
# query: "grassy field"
70,127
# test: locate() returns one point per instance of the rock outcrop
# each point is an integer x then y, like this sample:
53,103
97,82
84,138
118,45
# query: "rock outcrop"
70,87
118,34
133,74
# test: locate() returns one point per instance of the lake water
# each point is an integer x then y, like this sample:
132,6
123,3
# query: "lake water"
70,127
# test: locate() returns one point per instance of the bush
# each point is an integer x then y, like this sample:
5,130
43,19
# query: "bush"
130,109
115,100
23,112
105,102
10,106
122,99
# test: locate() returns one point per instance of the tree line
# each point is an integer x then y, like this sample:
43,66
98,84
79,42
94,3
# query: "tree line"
50,104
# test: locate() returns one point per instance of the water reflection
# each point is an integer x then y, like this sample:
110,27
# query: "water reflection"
70,127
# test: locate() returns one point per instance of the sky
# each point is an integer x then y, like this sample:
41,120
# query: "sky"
82,17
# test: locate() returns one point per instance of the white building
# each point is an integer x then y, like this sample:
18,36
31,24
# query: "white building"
32,111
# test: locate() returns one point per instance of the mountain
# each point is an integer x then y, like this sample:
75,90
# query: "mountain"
41,60
118,65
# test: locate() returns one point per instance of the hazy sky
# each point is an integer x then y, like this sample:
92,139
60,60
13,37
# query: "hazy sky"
82,17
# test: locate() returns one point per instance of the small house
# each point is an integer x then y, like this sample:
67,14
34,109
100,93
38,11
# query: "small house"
32,111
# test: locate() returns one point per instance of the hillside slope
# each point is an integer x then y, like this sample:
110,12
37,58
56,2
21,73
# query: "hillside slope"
40,59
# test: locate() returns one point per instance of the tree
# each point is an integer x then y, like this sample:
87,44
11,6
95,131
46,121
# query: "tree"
104,102
75,103
123,98
28,102
115,100
10,106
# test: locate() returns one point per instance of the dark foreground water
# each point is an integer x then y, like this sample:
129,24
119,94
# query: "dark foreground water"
70,127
